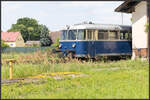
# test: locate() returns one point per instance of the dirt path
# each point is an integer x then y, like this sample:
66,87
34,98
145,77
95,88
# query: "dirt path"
38,77
115,68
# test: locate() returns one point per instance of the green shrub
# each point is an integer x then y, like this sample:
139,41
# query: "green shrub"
147,28
57,43
4,44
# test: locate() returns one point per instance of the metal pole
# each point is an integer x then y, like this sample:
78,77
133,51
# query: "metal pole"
122,17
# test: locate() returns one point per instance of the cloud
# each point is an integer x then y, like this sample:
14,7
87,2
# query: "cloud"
55,14
7,6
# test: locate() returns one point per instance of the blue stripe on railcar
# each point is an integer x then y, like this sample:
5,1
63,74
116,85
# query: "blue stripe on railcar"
94,48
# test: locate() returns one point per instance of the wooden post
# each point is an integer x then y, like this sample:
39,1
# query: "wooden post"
10,70
10,62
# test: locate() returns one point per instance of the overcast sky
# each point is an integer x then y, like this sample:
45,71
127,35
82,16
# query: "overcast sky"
55,15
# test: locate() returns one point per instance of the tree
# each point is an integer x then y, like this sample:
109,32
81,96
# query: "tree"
45,39
28,27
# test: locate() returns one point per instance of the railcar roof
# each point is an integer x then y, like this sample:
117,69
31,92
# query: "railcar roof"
100,26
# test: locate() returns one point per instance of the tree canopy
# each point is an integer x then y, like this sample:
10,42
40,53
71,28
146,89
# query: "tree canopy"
28,27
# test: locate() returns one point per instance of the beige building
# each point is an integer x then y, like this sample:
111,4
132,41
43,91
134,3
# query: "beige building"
54,36
138,9
13,39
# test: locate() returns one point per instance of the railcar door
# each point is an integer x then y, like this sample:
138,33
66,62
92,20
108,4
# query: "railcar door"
91,43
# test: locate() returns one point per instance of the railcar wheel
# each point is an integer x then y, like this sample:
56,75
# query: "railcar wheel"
92,59
53,50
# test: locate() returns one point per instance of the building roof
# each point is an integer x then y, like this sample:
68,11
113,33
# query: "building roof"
9,36
32,42
99,26
127,6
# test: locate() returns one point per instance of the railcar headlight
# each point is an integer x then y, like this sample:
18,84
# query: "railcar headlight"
60,45
73,45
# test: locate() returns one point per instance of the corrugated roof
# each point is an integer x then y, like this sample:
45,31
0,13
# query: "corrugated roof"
9,36
127,6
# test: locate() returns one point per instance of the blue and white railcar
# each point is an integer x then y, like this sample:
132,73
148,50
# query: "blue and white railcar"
92,40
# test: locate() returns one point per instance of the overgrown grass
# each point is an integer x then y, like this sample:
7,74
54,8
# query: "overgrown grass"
129,80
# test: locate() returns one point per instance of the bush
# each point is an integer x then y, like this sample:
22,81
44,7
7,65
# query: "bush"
56,44
4,44
147,28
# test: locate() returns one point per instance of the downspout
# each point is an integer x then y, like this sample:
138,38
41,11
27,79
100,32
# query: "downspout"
148,14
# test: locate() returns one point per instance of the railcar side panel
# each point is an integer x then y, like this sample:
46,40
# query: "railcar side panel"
96,48
113,47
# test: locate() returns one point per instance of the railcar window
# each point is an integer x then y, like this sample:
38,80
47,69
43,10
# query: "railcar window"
102,35
89,34
63,35
72,34
125,36
81,35
106,35
130,36
121,36
113,35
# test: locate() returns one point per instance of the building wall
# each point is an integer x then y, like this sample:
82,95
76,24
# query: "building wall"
54,36
139,36
11,44
20,41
